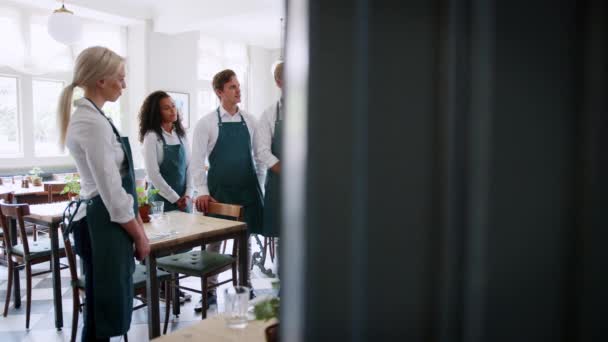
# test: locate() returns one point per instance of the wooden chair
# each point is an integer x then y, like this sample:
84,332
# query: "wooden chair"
205,264
139,285
23,255
54,192
5,197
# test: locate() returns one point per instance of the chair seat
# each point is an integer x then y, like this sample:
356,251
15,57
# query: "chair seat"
139,277
195,262
38,249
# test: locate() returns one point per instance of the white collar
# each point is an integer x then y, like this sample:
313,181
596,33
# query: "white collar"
224,112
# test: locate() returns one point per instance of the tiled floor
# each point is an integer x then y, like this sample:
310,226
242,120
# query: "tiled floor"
42,319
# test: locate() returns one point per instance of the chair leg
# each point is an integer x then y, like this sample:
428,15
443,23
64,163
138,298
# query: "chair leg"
75,310
9,285
224,243
265,249
168,304
35,233
234,282
204,295
176,308
272,249
28,304
126,337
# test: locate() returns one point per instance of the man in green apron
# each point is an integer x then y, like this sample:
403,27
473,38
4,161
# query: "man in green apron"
224,137
267,142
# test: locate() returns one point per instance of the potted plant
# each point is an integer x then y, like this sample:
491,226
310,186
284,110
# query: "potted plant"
143,200
35,176
72,187
267,310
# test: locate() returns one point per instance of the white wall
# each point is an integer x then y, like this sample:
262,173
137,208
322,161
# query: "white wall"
263,92
137,76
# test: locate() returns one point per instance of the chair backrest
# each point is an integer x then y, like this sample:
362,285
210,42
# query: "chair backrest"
5,197
69,254
232,211
227,211
53,190
15,212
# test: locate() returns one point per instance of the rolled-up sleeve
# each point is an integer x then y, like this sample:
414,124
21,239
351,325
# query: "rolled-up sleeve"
262,141
189,183
99,144
153,169
200,143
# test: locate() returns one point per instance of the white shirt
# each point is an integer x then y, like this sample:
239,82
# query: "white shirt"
262,141
204,139
99,159
153,152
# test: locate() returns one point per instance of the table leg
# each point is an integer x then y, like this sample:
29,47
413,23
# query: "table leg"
12,226
153,297
56,268
243,258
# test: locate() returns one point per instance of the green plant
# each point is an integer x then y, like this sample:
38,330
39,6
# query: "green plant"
143,197
72,185
267,309
35,173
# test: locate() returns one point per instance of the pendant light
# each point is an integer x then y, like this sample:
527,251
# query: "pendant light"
64,26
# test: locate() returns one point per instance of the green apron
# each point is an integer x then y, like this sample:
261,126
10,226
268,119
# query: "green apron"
231,177
173,170
272,194
113,263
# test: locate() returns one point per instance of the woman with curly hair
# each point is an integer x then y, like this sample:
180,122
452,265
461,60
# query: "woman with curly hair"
165,150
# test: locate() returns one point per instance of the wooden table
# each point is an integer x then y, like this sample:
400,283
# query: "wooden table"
50,215
31,195
214,329
192,230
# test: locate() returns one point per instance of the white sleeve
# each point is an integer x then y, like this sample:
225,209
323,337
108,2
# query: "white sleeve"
98,142
200,143
153,169
189,184
262,141
259,169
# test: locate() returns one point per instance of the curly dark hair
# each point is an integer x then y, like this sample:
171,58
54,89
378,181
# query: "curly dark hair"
150,118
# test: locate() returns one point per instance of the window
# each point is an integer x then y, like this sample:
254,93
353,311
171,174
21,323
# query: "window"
9,117
34,69
214,56
46,133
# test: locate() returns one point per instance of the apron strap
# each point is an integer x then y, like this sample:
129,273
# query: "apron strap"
67,213
219,118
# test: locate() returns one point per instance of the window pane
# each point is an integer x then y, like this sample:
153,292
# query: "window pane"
9,119
111,109
46,133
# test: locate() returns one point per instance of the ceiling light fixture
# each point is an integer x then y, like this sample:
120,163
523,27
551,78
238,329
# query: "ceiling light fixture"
64,26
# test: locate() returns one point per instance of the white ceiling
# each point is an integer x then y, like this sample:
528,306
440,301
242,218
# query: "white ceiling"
256,22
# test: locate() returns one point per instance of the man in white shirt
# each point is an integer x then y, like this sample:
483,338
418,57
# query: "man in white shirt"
224,136
267,142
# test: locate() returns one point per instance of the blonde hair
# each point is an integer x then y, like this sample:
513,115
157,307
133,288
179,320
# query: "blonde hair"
93,64
278,72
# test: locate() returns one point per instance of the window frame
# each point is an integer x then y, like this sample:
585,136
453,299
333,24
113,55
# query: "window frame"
20,152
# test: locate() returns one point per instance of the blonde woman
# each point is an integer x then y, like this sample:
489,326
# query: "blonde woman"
107,230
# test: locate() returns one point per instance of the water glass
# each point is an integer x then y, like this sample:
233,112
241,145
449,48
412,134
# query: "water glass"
236,303
157,209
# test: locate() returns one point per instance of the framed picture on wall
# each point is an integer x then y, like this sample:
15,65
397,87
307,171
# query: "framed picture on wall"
182,103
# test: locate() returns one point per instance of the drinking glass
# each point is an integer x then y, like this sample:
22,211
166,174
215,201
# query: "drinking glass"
236,303
157,209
